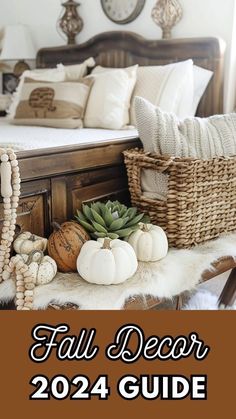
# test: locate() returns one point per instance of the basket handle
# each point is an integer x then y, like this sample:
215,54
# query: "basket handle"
148,160
136,161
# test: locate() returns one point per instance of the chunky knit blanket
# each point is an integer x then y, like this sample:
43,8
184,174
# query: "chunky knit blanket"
204,138
163,133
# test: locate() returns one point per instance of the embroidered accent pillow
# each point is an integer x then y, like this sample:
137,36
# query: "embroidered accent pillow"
49,75
58,105
58,74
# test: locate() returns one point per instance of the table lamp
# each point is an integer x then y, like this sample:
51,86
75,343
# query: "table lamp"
18,45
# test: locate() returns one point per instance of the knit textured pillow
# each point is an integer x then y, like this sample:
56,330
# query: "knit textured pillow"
204,138
165,134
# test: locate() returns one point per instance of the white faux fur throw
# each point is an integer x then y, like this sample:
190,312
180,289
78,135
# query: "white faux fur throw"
204,300
180,271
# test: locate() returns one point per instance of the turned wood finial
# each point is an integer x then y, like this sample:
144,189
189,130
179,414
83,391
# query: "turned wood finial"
166,14
71,22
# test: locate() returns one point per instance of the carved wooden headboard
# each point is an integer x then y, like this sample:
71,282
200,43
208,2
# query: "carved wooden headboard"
122,49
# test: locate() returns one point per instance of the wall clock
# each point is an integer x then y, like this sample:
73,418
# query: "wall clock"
122,11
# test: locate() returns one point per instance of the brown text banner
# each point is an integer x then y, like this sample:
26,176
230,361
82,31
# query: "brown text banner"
117,364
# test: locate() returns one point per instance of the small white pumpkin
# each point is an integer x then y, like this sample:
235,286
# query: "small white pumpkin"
149,243
106,261
42,268
26,242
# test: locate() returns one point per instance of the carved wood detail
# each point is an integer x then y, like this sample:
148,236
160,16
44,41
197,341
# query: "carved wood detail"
69,192
33,213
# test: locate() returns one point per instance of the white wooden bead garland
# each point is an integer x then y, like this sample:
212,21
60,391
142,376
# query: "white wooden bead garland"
29,271
10,191
20,267
25,281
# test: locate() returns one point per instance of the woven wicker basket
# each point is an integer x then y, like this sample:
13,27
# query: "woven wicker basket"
201,200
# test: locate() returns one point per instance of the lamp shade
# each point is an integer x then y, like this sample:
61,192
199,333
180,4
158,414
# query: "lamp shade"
17,44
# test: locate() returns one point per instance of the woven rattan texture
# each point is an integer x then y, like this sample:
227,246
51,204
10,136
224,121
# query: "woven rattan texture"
201,199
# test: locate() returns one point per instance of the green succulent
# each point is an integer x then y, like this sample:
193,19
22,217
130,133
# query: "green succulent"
110,219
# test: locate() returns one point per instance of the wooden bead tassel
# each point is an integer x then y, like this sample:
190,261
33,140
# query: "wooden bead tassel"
25,282
22,268
10,191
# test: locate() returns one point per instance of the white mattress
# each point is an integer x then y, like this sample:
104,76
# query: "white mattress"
31,138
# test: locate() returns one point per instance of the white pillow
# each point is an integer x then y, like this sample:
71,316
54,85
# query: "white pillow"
76,71
176,87
169,86
129,70
109,101
201,79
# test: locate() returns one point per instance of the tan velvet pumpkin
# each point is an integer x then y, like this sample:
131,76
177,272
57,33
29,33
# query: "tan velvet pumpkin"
65,243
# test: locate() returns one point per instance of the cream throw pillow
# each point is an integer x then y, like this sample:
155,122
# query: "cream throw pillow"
165,134
58,105
109,101
77,71
129,70
169,86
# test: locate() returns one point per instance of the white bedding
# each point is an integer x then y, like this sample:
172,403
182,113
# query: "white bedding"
31,138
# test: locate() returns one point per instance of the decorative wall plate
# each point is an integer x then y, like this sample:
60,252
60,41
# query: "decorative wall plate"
122,11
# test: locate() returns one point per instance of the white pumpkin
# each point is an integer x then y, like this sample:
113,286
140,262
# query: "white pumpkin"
106,261
26,242
42,268
149,243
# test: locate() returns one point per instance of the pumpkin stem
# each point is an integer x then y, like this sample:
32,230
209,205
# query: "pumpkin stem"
32,238
18,230
144,227
30,259
106,244
56,226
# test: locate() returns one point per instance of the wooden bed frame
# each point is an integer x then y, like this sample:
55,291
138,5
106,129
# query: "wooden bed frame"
56,181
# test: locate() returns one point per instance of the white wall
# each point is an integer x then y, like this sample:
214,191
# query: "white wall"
201,18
